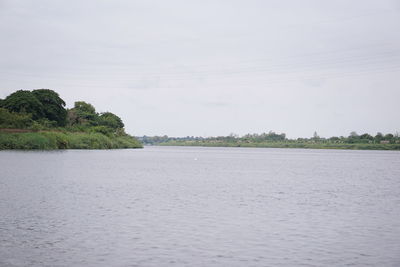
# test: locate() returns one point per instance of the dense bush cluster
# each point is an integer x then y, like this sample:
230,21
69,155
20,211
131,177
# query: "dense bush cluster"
65,140
44,109
40,104
38,119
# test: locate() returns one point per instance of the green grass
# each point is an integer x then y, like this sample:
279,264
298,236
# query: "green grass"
65,140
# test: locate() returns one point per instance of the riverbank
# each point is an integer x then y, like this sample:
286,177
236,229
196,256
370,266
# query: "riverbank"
356,146
38,119
49,140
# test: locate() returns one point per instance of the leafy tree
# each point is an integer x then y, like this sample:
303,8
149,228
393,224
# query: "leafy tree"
334,139
272,136
110,120
389,137
53,105
82,113
353,138
378,137
85,110
353,134
315,136
366,136
24,101
102,129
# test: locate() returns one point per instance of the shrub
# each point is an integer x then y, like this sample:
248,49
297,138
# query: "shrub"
14,120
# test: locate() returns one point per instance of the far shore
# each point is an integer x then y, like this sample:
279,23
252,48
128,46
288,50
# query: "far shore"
288,145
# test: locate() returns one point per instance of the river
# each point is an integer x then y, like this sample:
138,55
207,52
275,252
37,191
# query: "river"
193,206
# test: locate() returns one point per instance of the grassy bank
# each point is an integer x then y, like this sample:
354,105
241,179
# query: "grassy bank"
358,146
65,140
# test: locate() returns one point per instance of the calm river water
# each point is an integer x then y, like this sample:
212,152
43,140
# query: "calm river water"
186,206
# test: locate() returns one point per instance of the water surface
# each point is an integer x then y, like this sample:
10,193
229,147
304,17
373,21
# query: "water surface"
186,206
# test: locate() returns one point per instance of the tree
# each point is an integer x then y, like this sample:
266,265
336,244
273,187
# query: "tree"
82,113
378,137
110,120
353,134
53,105
353,138
334,139
389,137
272,136
366,136
24,101
316,136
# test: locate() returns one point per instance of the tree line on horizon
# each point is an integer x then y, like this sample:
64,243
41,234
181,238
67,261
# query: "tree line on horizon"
271,137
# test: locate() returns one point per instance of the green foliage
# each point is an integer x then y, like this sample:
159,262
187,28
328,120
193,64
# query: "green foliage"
85,109
23,141
14,120
110,120
270,136
378,137
53,105
82,113
101,129
273,140
84,117
334,139
293,144
389,137
60,140
23,101
43,104
33,120
366,137
36,126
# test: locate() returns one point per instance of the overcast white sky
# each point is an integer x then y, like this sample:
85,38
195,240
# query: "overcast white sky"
212,67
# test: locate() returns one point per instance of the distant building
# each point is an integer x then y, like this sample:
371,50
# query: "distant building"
385,142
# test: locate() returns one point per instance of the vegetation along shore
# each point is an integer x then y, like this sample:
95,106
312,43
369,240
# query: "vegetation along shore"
38,119
273,140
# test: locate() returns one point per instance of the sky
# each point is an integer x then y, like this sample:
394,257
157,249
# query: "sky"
212,67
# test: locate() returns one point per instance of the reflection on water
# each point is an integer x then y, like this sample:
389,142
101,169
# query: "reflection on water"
170,206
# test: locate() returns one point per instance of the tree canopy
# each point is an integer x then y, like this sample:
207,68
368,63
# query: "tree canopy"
82,113
85,114
110,120
44,108
38,119
23,101
41,104
53,105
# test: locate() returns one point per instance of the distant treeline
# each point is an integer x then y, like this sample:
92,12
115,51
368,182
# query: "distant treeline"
39,119
272,139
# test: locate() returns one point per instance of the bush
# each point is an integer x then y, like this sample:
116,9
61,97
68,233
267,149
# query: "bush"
24,141
14,120
102,129
60,140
